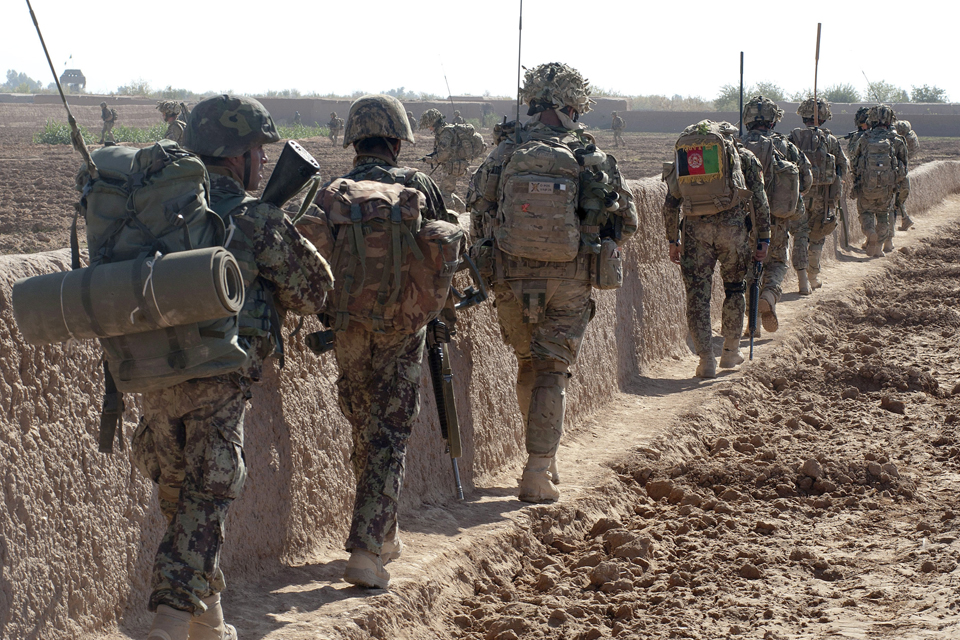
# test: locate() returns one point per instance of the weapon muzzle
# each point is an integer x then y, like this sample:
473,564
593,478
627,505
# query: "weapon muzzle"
294,169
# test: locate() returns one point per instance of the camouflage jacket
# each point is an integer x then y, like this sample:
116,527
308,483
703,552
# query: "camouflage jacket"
282,271
753,175
335,125
899,151
483,193
108,115
617,124
175,131
852,142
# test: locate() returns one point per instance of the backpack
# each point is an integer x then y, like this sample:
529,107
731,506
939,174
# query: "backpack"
113,115
143,202
879,167
781,177
708,170
813,144
617,123
539,196
909,136
393,271
465,143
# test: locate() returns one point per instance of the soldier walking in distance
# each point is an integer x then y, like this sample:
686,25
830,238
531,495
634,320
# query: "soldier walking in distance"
190,439
109,117
909,136
760,116
702,181
335,126
829,166
617,124
457,118
879,172
171,115
297,119
541,273
454,146
379,383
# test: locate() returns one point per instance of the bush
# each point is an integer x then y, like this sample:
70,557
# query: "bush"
123,133
59,133
299,131
841,93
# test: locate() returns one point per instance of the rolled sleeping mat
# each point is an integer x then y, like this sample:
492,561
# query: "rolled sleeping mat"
123,298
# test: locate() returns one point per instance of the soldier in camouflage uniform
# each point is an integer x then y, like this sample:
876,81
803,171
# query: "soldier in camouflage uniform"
109,117
379,382
443,156
876,210
906,132
335,126
175,126
760,116
190,439
617,124
821,202
725,236
457,118
544,307
297,119
860,120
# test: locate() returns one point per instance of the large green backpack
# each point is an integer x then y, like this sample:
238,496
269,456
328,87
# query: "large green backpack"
143,202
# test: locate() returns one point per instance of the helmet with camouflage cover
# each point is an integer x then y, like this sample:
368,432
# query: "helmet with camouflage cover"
761,111
880,115
805,110
861,117
228,126
333,114
430,119
376,116
168,107
555,85
456,112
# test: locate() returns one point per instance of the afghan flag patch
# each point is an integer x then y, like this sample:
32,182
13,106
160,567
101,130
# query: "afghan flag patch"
703,160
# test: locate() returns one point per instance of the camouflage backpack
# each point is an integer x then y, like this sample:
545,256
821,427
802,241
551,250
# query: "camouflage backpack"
813,144
879,167
393,271
909,136
461,142
781,178
113,114
708,172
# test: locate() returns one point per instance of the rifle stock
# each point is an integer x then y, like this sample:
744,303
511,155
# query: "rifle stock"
754,302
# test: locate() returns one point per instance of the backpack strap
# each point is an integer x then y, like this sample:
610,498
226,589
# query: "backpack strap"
111,413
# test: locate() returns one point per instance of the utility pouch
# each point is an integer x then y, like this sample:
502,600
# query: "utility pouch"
607,266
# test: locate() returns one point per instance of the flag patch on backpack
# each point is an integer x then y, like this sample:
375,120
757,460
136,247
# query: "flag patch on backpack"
699,162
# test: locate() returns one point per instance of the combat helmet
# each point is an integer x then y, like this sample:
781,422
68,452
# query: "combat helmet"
861,116
103,104
333,114
761,111
376,116
805,110
880,115
228,126
168,107
431,118
555,85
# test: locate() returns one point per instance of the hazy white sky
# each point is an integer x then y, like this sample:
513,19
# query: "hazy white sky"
632,47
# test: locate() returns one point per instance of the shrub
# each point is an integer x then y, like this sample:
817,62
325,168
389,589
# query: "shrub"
123,133
299,131
59,133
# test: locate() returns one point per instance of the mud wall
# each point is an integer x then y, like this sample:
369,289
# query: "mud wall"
78,529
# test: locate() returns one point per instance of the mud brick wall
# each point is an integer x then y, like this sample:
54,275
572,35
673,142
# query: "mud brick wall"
78,529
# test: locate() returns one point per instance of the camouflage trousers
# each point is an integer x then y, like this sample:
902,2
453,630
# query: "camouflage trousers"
775,265
379,387
822,220
876,214
707,239
899,211
618,140
449,174
544,322
799,229
106,134
190,442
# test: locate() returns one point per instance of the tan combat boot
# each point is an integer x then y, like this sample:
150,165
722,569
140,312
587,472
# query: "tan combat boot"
805,289
888,245
554,474
768,312
814,279
365,569
170,624
873,245
906,223
731,354
707,367
536,483
210,625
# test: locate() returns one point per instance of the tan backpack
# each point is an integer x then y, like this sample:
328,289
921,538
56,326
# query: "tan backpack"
909,136
879,168
709,176
460,142
781,178
813,144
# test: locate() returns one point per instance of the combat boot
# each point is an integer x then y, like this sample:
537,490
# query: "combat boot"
210,625
873,245
768,312
365,569
554,474
170,624
803,282
392,546
906,223
814,278
707,367
731,354
536,484
888,245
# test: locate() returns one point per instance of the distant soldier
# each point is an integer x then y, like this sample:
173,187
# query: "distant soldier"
297,121
829,166
457,118
109,117
335,126
913,146
455,145
617,125
171,113
412,119
860,120
879,172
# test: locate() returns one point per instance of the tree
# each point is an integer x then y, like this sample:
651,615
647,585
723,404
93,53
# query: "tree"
20,83
842,93
729,98
929,94
768,90
882,91
139,87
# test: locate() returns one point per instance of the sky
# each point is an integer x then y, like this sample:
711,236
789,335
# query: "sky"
634,48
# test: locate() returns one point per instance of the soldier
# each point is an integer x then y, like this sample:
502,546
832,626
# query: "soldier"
860,120
448,153
822,200
879,173
175,126
190,439
109,117
297,120
617,124
723,236
413,122
544,304
913,146
760,116
379,382
457,118
335,126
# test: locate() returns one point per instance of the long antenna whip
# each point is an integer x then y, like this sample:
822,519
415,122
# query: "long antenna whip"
449,94
75,137
741,94
816,64
519,49
870,86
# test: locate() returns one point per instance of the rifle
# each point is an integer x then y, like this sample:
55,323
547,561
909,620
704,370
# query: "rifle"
844,224
519,66
438,356
754,302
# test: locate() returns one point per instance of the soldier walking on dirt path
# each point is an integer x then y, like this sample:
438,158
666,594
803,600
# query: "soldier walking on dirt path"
109,117
909,136
190,439
617,124
457,118
335,126
710,234
297,119
454,146
541,273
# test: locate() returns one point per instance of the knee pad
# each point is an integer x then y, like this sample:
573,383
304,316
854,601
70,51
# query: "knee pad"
734,288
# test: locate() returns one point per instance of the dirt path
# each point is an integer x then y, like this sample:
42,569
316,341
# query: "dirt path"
811,495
